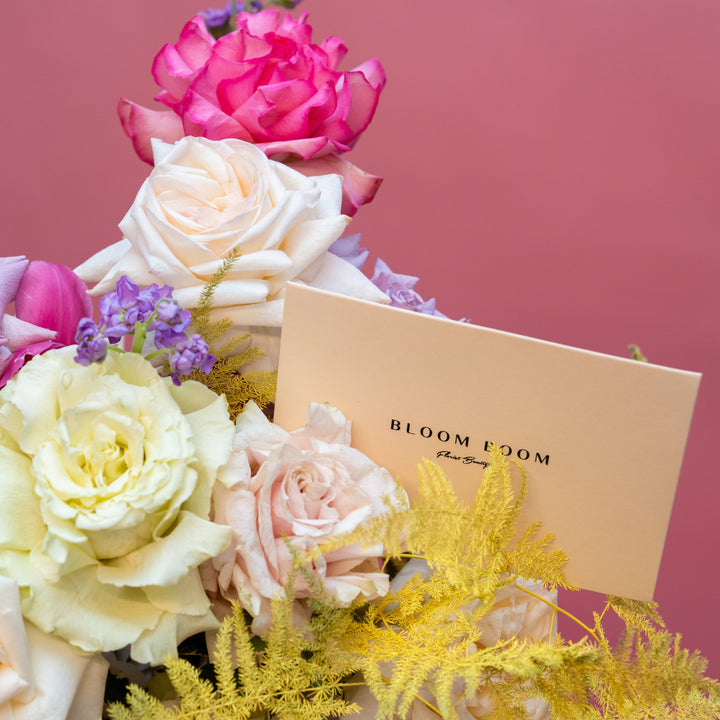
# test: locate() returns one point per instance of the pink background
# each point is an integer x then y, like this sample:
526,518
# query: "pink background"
552,169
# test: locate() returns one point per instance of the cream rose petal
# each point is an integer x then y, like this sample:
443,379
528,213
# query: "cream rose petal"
43,677
70,685
167,560
100,619
97,266
156,645
21,523
16,673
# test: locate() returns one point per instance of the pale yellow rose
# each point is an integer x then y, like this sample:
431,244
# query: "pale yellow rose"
106,473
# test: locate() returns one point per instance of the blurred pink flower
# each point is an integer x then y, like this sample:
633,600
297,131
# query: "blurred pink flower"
268,84
49,302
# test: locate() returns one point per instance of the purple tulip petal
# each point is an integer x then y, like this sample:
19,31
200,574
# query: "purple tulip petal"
11,272
5,356
53,297
20,333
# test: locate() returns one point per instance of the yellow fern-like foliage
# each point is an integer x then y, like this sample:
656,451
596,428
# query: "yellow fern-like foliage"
422,643
232,353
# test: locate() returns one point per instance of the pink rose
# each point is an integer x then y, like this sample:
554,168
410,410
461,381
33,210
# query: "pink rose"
49,302
268,84
299,488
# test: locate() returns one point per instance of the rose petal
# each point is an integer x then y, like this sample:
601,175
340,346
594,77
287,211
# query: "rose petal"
70,684
339,276
191,542
98,265
142,124
359,187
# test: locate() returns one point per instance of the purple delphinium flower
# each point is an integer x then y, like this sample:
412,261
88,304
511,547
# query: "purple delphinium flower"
169,324
348,248
193,354
215,18
119,309
149,298
399,288
92,346
130,311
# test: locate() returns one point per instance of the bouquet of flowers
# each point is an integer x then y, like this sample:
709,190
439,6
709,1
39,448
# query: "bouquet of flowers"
166,550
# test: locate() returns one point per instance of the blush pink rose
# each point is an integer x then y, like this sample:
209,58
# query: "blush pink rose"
298,488
268,84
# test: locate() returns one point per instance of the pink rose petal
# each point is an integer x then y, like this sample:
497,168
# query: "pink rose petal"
141,125
359,187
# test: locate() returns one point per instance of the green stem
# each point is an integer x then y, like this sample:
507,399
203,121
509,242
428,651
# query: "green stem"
139,335
155,353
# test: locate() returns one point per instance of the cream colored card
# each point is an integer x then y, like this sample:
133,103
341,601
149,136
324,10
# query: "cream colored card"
602,438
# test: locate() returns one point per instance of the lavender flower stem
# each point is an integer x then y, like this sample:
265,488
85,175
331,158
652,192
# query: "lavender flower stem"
139,337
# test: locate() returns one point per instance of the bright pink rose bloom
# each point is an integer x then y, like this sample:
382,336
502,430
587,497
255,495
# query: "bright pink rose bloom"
49,302
298,488
265,83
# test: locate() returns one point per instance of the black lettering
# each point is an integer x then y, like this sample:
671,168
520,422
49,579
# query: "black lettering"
506,447
462,441
543,460
423,433
407,429
443,436
525,456
394,424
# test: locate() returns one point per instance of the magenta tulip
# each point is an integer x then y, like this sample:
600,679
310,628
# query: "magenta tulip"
49,302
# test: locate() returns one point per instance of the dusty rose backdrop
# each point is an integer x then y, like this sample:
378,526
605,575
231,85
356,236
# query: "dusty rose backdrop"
552,168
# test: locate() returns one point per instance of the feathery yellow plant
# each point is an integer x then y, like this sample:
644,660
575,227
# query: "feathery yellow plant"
423,643
232,354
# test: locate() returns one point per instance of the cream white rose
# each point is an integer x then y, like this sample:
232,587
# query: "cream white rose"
42,677
106,473
298,488
206,198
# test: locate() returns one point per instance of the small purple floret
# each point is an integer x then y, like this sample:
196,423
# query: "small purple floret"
148,299
169,324
92,346
193,354
348,248
119,309
217,17
399,288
